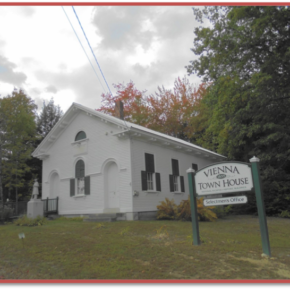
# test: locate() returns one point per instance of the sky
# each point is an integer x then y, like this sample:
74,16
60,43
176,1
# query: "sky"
41,54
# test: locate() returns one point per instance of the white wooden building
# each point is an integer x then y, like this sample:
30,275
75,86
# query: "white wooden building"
96,163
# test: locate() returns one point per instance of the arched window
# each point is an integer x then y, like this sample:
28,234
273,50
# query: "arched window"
80,169
80,185
80,135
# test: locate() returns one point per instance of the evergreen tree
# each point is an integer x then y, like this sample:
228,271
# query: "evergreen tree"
245,56
48,117
17,136
45,121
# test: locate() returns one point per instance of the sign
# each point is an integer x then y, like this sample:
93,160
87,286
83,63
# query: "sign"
226,177
21,236
225,200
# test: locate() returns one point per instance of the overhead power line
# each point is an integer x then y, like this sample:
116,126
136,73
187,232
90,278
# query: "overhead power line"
92,51
83,49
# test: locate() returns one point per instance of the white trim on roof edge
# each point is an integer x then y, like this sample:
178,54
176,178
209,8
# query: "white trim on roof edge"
130,129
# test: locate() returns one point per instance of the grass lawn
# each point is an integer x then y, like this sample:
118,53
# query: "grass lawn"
65,249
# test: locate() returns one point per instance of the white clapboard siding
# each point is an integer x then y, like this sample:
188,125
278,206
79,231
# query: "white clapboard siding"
110,139
101,146
148,201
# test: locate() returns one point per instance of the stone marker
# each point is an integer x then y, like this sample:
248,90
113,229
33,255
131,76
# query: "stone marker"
35,206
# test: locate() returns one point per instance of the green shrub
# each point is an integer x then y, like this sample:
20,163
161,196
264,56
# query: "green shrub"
284,214
184,211
72,219
205,213
6,213
26,221
222,211
167,210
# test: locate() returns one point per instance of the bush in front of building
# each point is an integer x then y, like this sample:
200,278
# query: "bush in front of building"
169,210
6,212
26,221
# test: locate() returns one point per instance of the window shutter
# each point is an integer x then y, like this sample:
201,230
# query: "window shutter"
171,185
158,182
87,185
175,167
72,187
80,169
182,183
195,167
144,180
149,162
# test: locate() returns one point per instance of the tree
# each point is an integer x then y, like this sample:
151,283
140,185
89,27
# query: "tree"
245,55
17,133
134,101
167,111
171,111
48,117
45,121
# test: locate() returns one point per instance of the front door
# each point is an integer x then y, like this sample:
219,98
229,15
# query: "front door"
54,185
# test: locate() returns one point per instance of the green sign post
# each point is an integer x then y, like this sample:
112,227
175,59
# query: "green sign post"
261,206
193,206
227,177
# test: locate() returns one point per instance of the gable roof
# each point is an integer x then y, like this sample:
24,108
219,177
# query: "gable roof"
126,129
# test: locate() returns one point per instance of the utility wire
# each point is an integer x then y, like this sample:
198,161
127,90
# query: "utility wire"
83,49
92,51
96,59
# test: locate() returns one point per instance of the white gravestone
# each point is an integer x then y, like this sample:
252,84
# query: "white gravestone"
35,206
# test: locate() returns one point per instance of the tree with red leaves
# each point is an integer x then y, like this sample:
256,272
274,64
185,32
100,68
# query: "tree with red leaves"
168,111
134,103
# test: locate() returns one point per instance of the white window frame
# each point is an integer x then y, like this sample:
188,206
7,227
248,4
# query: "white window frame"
150,181
153,183
79,191
154,190
176,183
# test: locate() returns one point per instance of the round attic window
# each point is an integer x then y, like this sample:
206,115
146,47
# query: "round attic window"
80,135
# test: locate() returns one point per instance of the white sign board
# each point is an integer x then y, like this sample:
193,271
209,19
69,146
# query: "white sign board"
225,200
224,177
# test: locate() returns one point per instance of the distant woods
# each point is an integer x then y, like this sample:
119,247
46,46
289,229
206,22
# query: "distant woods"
21,130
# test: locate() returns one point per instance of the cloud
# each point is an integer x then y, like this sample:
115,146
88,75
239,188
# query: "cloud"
29,62
82,81
148,45
165,35
26,11
2,43
123,26
140,70
62,66
8,75
174,23
35,90
51,89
